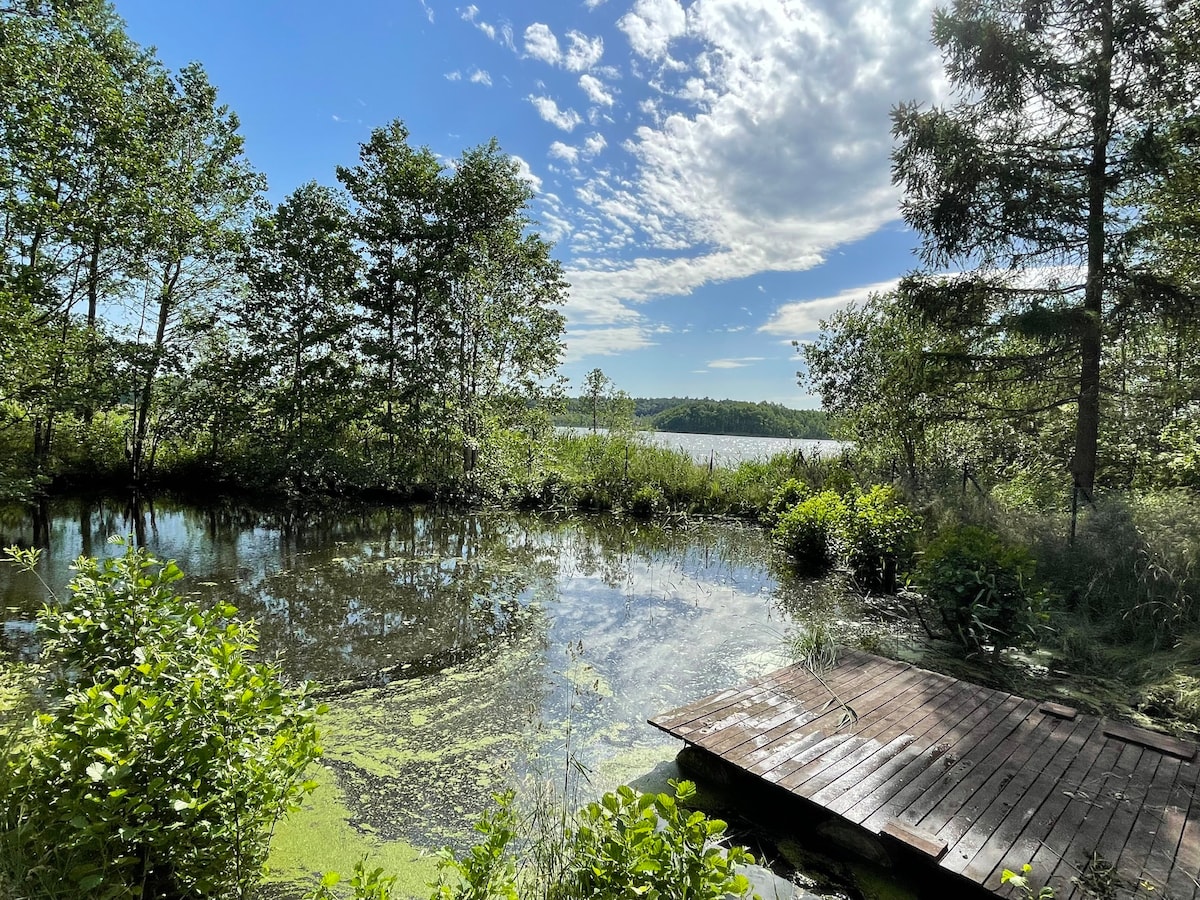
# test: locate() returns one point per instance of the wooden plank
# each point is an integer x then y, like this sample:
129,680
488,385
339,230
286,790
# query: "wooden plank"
1082,798
1089,837
884,740
1136,857
976,778
851,789
1152,739
917,840
971,813
1185,872
882,805
724,724
1042,829
764,759
792,706
1058,710
872,733
928,790
1026,792
1119,830
803,687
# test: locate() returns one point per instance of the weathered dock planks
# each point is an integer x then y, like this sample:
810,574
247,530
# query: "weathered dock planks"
977,780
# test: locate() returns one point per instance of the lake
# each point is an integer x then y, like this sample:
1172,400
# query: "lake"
729,449
459,652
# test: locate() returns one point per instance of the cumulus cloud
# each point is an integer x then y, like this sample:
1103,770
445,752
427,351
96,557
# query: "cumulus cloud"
480,76
584,342
566,119
582,52
765,146
541,43
565,152
596,90
453,76
651,26
593,144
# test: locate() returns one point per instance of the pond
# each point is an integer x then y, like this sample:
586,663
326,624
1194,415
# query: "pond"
458,652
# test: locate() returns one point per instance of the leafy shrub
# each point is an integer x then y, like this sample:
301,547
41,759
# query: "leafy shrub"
625,845
790,493
647,501
809,532
168,756
981,587
879,534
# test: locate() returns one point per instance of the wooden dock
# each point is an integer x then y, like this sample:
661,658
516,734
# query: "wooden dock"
977,780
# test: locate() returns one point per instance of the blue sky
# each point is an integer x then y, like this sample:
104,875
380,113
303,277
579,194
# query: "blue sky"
714,173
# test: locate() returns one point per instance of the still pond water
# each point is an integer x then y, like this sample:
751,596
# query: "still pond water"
460,652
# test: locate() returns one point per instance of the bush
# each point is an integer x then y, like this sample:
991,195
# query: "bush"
981,586
788,495
879,536
168,757
625,845
810,531
647,501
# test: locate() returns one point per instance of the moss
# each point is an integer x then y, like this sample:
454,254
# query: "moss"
324,835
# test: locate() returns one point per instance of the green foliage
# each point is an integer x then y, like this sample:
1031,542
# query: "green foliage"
364,884
168,755
647,501
880,537
741,417
1022,885
624,845
786,496
811,530
981,586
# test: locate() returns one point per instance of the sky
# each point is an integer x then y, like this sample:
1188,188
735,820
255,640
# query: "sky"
714,174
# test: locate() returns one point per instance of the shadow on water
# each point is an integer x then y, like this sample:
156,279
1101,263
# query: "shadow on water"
458,652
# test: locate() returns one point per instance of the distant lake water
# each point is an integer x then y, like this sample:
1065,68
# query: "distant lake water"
729,449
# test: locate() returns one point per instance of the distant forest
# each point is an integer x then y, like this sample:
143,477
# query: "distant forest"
684,415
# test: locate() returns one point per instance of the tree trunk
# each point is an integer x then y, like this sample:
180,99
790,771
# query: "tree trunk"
1087,428
137,461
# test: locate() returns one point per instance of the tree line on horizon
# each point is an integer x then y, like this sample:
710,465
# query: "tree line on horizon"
687,415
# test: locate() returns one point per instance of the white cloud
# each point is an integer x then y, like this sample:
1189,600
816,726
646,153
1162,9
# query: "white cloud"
804,316
480,76
470,14
566,119
596,90
592,4
453,76
652,25
540,43
565,152
739,363
593,144
428,11
526,173
766,147
583,52
581,343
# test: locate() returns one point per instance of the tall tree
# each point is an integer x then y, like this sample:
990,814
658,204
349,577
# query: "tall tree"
302,271
398,195
1023,181
72,179
200,198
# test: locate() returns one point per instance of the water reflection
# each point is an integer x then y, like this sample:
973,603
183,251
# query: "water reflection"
458,651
